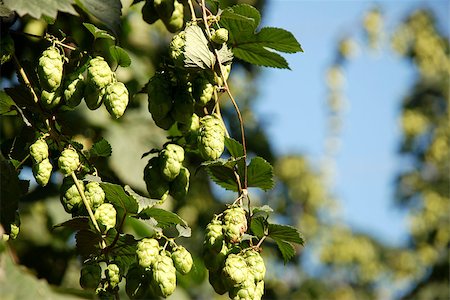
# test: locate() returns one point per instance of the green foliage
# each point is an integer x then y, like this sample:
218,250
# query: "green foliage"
251,46
120,233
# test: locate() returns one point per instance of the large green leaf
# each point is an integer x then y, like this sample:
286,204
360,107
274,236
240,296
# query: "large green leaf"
39,8
7,105
197,53
106,11
234,147
277,39
257,55
120,56
257,47
224,176
101,148
285,232
116,195
258,226
163,217
97,32
260,174
286,249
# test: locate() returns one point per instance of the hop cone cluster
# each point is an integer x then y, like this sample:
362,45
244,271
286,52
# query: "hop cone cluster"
42,168
232,266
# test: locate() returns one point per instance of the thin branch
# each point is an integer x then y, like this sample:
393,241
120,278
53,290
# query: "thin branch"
191,7
25,79
86,204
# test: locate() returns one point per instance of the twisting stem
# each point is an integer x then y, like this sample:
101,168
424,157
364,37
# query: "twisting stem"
241,124
205,19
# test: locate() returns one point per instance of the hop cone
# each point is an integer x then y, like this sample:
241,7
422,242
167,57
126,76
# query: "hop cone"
192,125
234,224
164,276
50,69
244,291
203,91
211,138
180,186
95,195
182,260
255,264
157,186
112,272
39,150
172,157
68,161
74,91
235,269
116,99
50,100
70,197
214,235
99,73
147,252
90,276
220,36
105,214
42,172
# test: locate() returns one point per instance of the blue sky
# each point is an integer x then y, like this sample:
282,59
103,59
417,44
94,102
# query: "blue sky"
292,104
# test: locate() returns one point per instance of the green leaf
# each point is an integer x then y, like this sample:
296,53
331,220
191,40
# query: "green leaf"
7,105
87,242
257,47
276,39
77,223
124,251
143,202
240,19
285,232
106,11
117,196
101,148
223,176
286,249
262,211
163,217
39,8
225,55
260,174
258,226
197,53
10,193
234,147
98,33
257,55
183,231
120,56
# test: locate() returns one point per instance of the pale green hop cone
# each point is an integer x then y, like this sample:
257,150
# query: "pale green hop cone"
182,260
116,99
69,161
95,195
39,150
99,73
105,215
147,252
50,69
42,172
164,276
211,138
